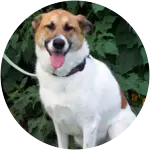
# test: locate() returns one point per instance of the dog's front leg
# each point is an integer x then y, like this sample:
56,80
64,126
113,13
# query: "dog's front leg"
89,137
62,137
90,132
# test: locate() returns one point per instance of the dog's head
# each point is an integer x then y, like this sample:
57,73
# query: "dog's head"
59,32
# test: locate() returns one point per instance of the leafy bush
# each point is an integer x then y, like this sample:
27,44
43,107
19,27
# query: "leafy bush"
114,42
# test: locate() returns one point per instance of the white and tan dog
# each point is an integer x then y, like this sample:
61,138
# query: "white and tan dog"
79,92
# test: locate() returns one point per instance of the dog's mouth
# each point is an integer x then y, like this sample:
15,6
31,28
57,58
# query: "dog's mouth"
57,48
57,59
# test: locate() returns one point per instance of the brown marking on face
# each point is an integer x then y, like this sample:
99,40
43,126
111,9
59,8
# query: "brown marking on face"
65,23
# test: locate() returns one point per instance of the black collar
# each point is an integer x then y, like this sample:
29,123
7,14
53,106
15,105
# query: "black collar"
79,67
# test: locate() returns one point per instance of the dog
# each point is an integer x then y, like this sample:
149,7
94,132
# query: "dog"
78,92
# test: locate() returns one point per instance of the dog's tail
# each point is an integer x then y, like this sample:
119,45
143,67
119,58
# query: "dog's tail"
18,68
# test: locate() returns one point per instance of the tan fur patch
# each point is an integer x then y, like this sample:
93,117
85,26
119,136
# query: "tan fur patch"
59,18
123,100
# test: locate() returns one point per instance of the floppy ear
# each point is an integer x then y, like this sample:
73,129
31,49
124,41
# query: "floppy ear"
84,24
36,21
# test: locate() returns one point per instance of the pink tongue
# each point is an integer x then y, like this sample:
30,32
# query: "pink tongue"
57,60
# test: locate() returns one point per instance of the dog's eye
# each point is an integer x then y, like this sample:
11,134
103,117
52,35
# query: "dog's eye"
68,27
51,26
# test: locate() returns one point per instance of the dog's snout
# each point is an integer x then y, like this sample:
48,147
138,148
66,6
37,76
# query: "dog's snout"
46,43
58,43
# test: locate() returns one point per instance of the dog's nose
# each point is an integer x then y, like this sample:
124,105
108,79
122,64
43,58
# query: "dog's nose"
58,43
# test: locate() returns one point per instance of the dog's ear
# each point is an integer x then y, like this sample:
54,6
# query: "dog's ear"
84,24
36,21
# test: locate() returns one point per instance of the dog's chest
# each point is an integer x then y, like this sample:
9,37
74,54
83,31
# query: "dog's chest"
64,116
62,103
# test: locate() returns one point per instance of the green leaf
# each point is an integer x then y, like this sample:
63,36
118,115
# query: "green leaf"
143,88
28,51
108,35
40,127
8,84
31,31
24,46
110,47
109,19
122,82
34,123
38,134
106,47
4,68
126,39
124,36
133,81
91,41
99,50
144,56
34,128
21,104
14,45
11,53
24,103
47,127
97,8
105,24
72,6
14,40
32,89
102,27
36,105
23,82
15,95
15,37
82,3
15,75
137,84
127,60
18,57
99,46
146,76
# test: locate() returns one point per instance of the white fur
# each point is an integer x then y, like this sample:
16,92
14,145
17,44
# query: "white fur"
87,104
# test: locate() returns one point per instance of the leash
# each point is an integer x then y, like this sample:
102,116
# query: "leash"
18,68
79,67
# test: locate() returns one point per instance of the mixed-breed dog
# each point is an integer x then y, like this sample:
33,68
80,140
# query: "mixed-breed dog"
78,92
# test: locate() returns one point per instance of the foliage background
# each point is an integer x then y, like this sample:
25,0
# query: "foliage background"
114,42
